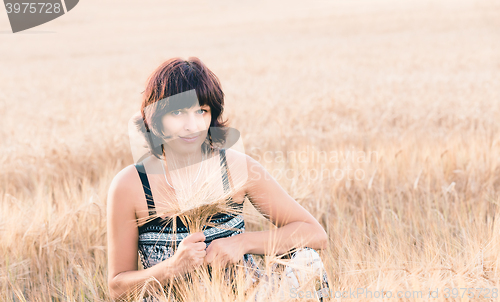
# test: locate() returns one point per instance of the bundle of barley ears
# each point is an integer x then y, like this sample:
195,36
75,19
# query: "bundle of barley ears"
195,204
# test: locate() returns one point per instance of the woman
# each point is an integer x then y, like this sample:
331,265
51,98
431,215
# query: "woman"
182,105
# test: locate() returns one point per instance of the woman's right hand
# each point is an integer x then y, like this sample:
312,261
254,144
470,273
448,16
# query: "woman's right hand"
190,253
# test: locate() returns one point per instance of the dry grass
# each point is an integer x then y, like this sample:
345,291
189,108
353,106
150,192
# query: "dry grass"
414,82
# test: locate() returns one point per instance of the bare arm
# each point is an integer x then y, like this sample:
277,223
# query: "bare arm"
122,235
282,240
296,226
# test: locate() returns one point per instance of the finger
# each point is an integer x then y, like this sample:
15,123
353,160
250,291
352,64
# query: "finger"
219,260
200,254
195,237
199,236
209,249
226,261
223,262
198,260
209,257
199,246
215,258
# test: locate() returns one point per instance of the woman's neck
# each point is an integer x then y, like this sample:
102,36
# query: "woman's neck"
180,160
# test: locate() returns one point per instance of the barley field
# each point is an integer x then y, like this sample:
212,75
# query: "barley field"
380,117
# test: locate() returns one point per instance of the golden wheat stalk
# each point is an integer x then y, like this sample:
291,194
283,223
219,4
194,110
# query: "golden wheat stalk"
196,206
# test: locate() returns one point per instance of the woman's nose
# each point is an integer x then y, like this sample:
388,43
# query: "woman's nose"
192,122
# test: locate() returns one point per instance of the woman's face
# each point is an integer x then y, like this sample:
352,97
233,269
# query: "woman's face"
187,128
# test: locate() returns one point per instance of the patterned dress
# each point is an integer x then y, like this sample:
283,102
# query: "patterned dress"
157,241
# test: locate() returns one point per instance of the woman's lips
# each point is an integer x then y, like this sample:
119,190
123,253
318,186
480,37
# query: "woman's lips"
189,140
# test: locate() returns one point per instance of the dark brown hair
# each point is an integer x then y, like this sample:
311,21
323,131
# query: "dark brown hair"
173,77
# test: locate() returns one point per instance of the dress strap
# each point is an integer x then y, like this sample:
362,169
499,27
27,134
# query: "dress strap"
224,171
147,189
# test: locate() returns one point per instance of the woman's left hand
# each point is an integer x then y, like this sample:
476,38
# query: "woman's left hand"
225,251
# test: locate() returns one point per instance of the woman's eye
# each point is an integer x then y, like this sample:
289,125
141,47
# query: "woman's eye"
176,112
201,111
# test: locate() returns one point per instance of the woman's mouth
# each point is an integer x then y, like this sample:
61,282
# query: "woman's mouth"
189,139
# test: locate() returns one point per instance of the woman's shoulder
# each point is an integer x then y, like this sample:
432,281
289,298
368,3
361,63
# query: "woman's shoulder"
126,183
234,156
239,160
244,165
126,175
129,176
